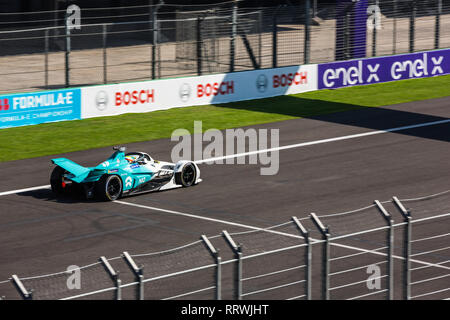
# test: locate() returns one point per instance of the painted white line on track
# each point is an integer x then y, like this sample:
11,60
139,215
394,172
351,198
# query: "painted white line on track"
189,215
291,146
24,190
310,143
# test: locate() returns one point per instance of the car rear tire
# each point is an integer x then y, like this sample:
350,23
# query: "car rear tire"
109,188
56,180
187,176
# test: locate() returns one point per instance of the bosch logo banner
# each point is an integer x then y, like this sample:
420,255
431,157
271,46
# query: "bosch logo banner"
216,88
34,108
135,97
289,79
383,69
163,94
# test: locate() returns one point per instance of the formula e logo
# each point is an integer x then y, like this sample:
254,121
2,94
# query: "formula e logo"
4,104
101,100
185,92
261,83
128,182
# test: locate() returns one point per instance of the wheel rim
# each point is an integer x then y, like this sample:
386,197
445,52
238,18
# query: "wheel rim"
188,175
114,187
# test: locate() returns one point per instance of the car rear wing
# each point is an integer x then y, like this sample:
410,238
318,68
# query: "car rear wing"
80,173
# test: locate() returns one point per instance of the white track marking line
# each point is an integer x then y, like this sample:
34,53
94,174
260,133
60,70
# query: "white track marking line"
24,190
304,144
291,146
189,215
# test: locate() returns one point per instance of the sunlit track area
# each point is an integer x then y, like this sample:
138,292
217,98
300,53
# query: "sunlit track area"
365,217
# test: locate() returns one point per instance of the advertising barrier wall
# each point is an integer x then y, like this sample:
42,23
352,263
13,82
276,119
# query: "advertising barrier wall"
145,96
383,69
39,107
148,96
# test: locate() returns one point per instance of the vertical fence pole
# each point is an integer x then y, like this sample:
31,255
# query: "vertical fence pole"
390,243
215,254
155,36
274,39
325,231
307,32
199,46
233,35
374,33
237,250
406,249
308,257
260,31
138,273
46,49
113,275
347,34
437,29
26,295
394,34
67,56
412,27
105,62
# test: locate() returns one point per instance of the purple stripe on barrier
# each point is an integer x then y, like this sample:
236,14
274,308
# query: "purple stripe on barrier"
383,69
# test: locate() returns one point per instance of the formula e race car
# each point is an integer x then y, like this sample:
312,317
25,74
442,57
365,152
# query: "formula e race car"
122,174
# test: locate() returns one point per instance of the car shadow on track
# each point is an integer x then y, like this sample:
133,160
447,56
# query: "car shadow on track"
48,195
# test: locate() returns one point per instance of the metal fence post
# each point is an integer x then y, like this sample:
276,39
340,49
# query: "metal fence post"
394,35
307,31
325,231
274,39
233,35
155,36
138,273
199,46
308,256
406,248
237,250
437,29
105,63
114,277
374,33
390,242
26,295
215,254
67,55
412,27
46,48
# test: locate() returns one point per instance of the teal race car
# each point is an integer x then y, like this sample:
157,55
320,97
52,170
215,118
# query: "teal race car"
122,174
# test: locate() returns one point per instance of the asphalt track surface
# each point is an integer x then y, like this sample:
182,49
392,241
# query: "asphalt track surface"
40,234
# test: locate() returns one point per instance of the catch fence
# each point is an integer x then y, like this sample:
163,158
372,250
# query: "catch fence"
41,51
396,249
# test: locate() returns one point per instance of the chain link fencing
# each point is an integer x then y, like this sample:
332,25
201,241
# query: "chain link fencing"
396,249
37,50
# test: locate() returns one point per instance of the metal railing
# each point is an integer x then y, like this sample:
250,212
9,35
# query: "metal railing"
129,44
358,254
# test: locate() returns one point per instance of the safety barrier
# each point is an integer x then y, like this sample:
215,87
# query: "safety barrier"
358,254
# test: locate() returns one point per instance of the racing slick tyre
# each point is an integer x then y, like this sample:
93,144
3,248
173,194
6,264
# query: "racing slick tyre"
56,180
109,187
187,176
